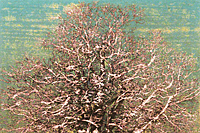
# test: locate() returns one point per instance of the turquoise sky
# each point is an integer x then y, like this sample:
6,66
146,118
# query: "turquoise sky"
22,23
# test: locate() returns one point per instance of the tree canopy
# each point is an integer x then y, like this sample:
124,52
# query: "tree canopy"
102,77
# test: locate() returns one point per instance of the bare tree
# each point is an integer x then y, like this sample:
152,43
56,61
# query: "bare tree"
102,78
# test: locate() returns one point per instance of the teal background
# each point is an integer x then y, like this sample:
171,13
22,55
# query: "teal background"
24,22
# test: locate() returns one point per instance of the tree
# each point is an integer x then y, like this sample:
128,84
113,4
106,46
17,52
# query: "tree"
103,78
